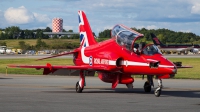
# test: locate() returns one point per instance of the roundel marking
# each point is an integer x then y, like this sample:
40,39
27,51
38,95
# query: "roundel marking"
90,61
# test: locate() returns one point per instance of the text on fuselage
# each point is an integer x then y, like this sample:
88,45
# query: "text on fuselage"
100,61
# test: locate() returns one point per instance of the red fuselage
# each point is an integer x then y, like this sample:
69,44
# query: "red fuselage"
118,59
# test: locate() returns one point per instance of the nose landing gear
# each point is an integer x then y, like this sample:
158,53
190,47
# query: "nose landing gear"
149,83
157,92
147,87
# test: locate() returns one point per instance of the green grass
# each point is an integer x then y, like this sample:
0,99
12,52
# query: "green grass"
189,73
27,61
15,42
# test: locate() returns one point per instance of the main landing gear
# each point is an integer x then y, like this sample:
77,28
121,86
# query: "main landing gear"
81,83
78,88
149,83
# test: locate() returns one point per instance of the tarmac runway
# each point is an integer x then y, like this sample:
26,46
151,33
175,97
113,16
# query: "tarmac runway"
28,93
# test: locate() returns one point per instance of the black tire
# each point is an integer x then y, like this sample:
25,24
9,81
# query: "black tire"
147,87
78,88
157,92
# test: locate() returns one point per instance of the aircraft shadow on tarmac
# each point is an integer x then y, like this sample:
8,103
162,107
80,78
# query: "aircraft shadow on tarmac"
178,93
5,78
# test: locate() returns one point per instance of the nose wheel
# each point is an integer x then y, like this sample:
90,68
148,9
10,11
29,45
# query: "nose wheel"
148,84
157,92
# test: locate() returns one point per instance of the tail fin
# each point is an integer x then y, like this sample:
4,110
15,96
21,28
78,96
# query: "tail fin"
156,41
86,35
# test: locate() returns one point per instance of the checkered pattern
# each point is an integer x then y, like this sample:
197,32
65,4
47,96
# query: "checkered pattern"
57,25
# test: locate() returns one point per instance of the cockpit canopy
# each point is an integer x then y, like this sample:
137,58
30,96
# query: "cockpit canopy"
126,37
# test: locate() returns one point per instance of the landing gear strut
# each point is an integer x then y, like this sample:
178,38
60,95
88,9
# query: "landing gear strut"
81,83
157,92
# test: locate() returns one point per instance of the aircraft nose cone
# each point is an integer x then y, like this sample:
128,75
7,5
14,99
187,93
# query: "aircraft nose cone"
174,70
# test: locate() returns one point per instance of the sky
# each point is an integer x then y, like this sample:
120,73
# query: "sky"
176,15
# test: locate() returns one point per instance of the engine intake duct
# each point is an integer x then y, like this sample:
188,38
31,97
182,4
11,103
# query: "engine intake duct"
154,64
119,62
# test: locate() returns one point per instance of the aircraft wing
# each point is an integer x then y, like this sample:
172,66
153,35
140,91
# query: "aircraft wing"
48,68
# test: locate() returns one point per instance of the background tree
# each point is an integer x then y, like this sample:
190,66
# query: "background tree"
105,34
3,43
2,36
70,31
24,46
13,32
40,44
64,30
47,29
22,35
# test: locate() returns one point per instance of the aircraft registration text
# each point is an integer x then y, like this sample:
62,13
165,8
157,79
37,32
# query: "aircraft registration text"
100,61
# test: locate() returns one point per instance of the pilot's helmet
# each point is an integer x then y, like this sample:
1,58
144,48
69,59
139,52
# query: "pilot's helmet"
136,45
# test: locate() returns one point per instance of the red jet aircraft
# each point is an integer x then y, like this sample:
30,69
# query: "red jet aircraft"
114,60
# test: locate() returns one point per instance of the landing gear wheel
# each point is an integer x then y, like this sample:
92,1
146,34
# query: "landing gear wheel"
78,88
147,87
157,92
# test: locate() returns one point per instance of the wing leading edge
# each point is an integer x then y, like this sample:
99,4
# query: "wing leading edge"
48,68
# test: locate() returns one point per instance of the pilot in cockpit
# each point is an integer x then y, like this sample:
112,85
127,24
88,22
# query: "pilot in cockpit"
135,47
138,47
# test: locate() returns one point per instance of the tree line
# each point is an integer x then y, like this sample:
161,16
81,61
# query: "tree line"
165,35
14,32
41,45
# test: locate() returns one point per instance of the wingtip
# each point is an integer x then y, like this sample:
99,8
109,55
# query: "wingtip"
12,66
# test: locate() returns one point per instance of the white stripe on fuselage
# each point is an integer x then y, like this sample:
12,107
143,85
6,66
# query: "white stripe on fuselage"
85,59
